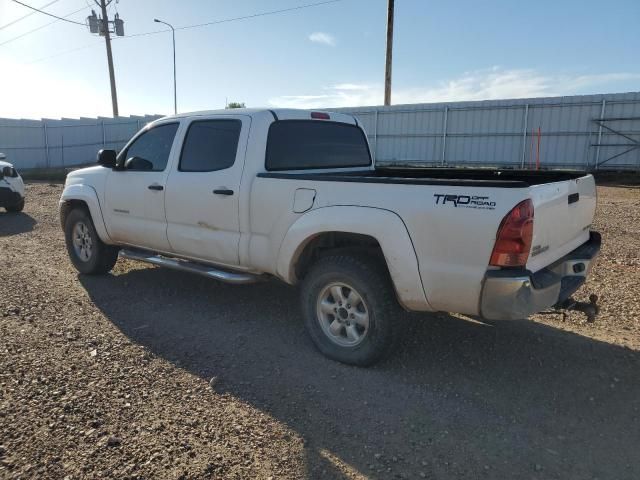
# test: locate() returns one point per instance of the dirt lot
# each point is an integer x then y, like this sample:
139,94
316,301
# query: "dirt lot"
109,377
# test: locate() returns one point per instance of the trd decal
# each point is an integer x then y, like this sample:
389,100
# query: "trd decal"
465,201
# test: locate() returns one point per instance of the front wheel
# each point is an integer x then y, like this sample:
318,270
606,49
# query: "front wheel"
87,252
18,207
349,308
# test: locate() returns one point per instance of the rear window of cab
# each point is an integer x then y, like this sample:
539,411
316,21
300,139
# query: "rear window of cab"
313,144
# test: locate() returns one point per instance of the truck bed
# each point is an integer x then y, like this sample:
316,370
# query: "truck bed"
470,177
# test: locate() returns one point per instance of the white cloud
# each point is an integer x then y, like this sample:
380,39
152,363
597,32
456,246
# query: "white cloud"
323,38
487,84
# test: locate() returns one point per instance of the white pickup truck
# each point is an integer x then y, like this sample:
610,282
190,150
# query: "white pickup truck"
245,195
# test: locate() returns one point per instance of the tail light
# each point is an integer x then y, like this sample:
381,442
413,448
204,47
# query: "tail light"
320,116
515,235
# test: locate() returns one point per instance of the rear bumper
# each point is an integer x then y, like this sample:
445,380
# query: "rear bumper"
8,197
516,294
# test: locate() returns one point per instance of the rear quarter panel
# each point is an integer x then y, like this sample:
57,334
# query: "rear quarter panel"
453,240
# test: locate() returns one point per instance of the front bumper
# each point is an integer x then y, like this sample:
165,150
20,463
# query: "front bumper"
8,197
516,294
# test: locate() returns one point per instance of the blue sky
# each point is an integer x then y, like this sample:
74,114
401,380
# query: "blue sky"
330,55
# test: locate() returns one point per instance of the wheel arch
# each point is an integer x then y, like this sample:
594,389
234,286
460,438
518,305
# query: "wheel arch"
84,196
323,243
381,232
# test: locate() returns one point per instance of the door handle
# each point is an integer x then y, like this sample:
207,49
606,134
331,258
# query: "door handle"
223,191
155,186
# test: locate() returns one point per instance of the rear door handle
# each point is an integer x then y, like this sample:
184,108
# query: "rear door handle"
155,186
223,191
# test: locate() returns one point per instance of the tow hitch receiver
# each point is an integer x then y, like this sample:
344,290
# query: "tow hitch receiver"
590,308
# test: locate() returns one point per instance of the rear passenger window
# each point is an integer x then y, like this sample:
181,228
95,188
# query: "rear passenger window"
305,144
210,145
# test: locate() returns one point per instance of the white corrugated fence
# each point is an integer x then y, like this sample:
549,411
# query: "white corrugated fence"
592,132
67,142
589,132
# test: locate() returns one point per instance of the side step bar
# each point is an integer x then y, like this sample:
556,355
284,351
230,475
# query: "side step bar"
238,278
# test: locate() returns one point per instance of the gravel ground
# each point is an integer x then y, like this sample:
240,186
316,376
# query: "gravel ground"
149,373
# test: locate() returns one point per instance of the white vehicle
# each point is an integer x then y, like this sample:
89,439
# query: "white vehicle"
245,195
11,187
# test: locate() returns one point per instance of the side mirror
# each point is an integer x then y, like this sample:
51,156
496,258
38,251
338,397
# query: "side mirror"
107,158
138,163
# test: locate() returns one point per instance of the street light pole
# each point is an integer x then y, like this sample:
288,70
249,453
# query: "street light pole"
175,92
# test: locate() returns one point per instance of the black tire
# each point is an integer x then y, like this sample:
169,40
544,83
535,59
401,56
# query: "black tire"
18,207
102,257
371,282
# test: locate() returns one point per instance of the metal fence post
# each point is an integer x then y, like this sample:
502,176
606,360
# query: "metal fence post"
444,135
525,121
375,137
604,104
47,160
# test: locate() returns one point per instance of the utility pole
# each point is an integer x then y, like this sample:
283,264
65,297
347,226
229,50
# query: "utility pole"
102,27
389,60
107,39
175,94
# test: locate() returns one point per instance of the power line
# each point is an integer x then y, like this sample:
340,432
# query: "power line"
2,27
39,28
226,20
60,54
262,14
49,14
179,28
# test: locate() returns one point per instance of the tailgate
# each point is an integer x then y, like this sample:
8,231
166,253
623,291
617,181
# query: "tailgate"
563,212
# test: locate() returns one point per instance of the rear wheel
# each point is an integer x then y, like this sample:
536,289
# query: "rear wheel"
87,252
18,207
349,308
